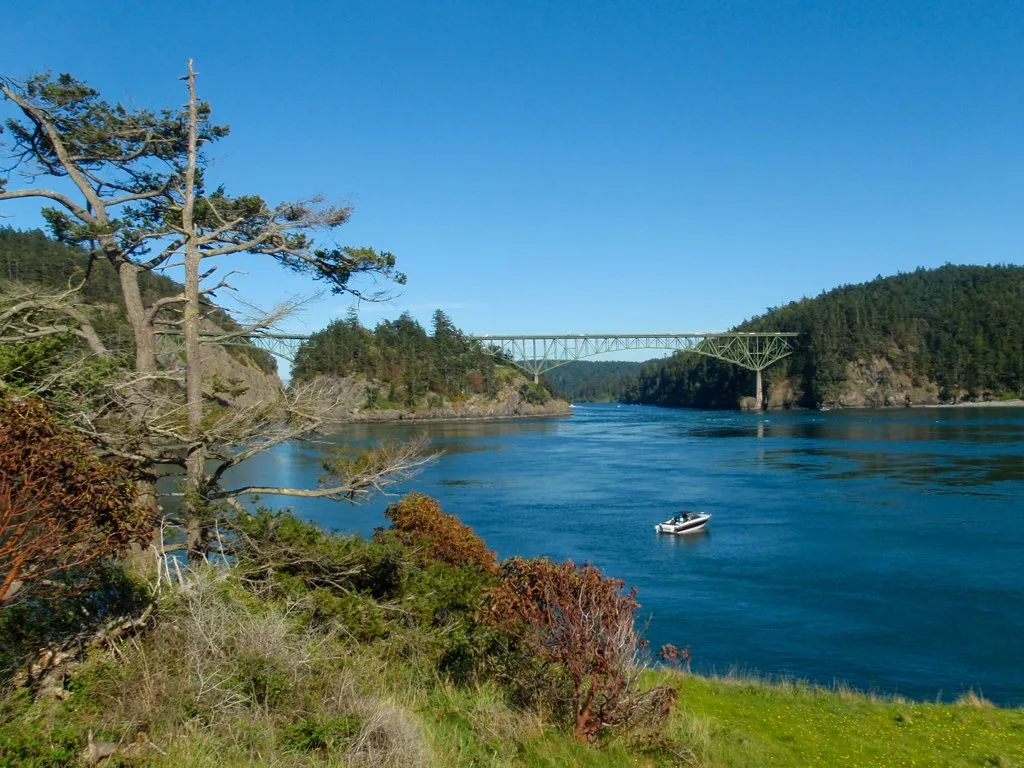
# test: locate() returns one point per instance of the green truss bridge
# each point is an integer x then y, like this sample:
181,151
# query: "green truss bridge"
539,353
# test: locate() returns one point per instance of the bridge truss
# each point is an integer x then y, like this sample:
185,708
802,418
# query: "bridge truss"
539,354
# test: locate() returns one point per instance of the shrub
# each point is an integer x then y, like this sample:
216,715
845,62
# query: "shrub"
280,547
582,624
389,736
321,732
38,746
419,522
60,507
534,394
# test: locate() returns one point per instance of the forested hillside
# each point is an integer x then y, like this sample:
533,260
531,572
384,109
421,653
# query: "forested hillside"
592,381
410,368
940,335
33,259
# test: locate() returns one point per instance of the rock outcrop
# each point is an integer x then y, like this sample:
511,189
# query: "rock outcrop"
875,383
236,376
352,395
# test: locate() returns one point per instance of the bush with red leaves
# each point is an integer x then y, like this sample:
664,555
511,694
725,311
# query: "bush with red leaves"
60,506
573,617
419,522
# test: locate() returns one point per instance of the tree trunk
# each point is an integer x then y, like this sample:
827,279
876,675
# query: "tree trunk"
145,340
145,359
195,475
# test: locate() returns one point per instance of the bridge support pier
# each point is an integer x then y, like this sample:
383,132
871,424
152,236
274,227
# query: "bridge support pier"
536,378
759,393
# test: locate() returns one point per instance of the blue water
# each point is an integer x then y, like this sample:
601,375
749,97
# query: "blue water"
883,549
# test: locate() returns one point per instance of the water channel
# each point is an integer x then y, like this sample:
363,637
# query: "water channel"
883,549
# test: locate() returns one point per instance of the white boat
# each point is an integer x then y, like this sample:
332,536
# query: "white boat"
684,522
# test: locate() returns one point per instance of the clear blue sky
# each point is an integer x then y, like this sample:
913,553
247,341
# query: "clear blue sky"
591,166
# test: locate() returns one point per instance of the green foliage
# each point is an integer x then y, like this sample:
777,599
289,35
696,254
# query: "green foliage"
261,679
57,614
38,745
296,556
688,380
321,733
235,673
355,615
958,326
408,367
417,587
40,368
535,394
24,365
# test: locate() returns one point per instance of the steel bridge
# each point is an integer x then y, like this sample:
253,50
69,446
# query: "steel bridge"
540,353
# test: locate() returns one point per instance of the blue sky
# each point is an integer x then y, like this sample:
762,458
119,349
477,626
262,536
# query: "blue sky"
590,166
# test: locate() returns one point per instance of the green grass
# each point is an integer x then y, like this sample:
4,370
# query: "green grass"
722,722
755,723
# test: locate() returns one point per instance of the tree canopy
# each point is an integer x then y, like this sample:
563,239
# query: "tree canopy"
401,355
592,381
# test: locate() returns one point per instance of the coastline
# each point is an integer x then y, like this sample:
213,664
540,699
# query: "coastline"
472,413
1015,403
415,418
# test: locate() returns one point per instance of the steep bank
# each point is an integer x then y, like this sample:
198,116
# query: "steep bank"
357,399
235,376
240,374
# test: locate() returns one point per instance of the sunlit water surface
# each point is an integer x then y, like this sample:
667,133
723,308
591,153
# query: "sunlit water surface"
884,549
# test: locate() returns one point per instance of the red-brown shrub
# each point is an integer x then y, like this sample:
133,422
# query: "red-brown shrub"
420,523
571,616
60,507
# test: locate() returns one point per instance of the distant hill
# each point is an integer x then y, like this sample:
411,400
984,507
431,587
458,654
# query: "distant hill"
592,381
32,258
933,335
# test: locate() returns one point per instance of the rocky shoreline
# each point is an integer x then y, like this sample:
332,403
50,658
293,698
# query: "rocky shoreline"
475,413
1015,403
349,405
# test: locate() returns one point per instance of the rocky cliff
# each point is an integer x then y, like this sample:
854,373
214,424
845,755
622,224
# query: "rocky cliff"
352,397
868,383
234,375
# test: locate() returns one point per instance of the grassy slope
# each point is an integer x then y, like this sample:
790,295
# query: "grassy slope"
726,722
754,723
